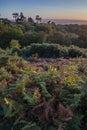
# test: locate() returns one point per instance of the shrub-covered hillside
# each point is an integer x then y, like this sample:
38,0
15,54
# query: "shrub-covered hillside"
43,75
49,97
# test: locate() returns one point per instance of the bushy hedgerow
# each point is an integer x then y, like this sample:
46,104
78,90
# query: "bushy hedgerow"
53,51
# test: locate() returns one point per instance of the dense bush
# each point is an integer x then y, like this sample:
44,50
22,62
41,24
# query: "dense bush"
8,33
53,51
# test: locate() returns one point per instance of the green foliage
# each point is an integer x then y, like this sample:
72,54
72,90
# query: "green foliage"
2,52
53,51
8,33
42,98
35,96
44,91
74,123
30,32
82,108
4,75
31,126
32,100
14,44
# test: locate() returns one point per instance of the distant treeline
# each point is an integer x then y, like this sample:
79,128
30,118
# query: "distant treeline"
28,32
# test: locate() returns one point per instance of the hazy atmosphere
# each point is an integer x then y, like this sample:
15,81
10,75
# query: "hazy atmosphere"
56,9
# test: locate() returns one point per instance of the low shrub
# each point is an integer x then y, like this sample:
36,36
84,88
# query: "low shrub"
53,51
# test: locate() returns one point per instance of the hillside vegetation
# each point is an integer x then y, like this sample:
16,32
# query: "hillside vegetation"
43,75
29,32
50,97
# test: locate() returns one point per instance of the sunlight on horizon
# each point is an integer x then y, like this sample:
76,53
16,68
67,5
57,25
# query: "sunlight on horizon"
64,9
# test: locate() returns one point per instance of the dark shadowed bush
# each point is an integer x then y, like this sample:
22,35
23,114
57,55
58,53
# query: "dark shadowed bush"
46,50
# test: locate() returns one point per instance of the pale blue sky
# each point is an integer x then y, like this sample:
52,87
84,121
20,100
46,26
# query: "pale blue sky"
62,9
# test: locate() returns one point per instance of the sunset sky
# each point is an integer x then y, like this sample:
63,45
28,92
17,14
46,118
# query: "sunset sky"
56,9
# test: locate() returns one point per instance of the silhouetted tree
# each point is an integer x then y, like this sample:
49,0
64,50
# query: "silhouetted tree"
19,18
22,17
1,20
6,21
38,18
49,22
15,15
30,20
